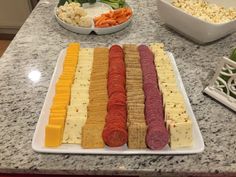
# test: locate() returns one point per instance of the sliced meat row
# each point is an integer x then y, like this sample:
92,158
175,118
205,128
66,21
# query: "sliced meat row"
157,135
115,131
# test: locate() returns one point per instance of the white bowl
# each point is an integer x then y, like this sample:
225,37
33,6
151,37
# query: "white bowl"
192,27
99,31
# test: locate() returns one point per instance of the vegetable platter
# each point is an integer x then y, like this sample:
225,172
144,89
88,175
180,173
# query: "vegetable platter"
87,16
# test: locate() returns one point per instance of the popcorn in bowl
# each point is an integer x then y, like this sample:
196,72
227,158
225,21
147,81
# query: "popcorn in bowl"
208,12
74,14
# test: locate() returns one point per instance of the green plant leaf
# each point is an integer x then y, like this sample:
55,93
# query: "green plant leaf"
233,55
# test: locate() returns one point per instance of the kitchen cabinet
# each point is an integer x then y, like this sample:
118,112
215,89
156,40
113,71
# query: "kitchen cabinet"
13,14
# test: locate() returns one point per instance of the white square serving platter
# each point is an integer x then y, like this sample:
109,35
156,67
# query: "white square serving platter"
38,138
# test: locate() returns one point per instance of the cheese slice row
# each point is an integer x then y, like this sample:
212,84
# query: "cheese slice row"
58,111
77,110
176,117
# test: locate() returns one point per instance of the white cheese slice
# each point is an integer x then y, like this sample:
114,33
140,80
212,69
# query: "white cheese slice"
77,110
72,131
180,134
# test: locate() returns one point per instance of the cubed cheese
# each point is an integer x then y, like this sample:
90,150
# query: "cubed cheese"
180,134
72,131
57,121
174,98
53,135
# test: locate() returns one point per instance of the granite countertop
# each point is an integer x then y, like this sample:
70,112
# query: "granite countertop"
36,47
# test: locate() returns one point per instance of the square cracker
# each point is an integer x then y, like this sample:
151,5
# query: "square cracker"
92,136
137,136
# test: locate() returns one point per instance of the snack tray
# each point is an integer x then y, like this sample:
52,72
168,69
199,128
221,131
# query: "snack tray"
99,31
38,138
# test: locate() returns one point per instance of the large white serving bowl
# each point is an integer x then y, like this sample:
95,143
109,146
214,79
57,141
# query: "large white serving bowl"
192,27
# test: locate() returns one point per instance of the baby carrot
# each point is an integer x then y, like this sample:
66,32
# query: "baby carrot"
113,18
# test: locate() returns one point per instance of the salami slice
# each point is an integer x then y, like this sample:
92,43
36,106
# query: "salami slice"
157,137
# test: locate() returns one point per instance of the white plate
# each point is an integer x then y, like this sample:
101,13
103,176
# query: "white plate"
99,31
38,139
192,27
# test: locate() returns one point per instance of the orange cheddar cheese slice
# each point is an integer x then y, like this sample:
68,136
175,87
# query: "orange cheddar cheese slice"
70,62
59,107
58,110
72,56
63,95
53,135
58,114
67,77
63,83
57,121
66,81
60,98
63,90
68,70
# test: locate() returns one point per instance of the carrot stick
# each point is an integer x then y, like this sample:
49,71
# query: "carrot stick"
113,18
110,22
121,20
103,26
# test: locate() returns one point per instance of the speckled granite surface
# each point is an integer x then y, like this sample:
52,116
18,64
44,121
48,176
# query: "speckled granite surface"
36,47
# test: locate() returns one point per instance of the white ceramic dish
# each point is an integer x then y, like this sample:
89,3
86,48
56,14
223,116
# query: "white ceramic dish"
99,31
38,139
193,27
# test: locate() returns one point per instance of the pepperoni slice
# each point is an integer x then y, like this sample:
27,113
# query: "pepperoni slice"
116,48
114,136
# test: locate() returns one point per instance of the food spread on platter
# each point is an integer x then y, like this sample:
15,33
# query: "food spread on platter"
94,14
119,95
208,12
